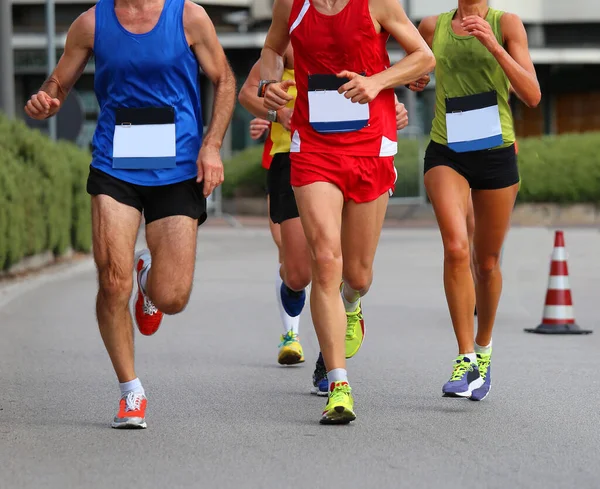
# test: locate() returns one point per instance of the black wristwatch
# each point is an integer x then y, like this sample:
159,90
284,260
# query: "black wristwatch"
262,86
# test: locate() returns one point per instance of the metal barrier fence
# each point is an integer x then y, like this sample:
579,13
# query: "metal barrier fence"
410,188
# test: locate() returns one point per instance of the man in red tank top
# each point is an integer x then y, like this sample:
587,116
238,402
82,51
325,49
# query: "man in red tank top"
342,152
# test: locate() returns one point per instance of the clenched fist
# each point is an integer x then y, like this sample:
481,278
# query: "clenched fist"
41,106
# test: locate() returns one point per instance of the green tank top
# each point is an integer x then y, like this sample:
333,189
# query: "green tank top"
465,67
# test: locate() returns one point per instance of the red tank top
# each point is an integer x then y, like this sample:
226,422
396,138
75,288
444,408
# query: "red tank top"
266,156
329,44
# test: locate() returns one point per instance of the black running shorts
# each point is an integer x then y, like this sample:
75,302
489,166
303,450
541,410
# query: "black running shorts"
156,202
282,202
487,169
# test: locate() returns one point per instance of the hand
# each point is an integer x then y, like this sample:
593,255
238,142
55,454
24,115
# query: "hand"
210,169
420,84
401,116
258,127
41,106
284,117
360,88
276,96
482,30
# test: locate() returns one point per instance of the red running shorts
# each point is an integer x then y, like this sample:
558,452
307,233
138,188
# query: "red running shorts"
360,178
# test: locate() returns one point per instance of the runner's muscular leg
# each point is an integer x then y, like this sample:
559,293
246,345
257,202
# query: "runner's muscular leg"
320,206
493,209
361,230
172,244
449,195
295,255
115,228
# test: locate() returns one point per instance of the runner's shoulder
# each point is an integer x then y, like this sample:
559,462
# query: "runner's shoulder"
193,12
83,28
427,28
511,26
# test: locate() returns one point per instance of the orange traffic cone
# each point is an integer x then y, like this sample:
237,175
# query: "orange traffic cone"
558,316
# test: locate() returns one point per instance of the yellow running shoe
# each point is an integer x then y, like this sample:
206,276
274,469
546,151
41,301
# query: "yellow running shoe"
340,405
355,331
290,350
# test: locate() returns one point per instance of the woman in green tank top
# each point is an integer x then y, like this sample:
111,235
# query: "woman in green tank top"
481,55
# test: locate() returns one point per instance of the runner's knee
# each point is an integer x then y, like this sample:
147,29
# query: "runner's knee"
485,267
297,276
457,251
115,283
171,301
358,277
328,264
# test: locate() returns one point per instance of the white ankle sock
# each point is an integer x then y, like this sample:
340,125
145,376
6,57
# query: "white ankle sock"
350,306
337,375
134,385
485,350
471,356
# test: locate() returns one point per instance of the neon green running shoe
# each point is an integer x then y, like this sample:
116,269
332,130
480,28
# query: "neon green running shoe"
355,329
340,405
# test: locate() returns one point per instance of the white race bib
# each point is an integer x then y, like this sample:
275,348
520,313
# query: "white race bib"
144,139
473,122
330,111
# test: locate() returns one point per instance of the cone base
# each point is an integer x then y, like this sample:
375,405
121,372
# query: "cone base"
558,329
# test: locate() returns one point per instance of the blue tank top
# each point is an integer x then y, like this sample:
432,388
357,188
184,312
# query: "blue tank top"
156,69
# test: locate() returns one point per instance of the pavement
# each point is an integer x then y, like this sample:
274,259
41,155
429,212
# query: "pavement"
223,414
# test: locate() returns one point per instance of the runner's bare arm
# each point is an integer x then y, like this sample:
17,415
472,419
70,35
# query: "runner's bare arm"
78,50
518,65
248,97
515,59
202,37
427,31
419,59
271,57
277,41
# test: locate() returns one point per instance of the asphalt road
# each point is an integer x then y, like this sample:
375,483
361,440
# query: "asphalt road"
223,414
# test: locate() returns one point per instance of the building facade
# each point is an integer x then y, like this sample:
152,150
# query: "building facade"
564,42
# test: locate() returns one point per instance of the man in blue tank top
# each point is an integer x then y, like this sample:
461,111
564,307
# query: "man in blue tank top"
149,156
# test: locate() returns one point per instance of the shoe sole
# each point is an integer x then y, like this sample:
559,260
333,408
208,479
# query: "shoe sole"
339,415
466,394
129,426
316,392
291,358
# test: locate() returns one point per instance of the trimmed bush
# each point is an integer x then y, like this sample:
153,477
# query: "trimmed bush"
560,169
43,202
554,169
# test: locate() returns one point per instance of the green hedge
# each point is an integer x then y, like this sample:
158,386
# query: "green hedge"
558,169
43,201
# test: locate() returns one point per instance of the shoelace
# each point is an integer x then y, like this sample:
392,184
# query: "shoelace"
289,337
353,321
133,401
149,307
484,363
460,368
339,393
